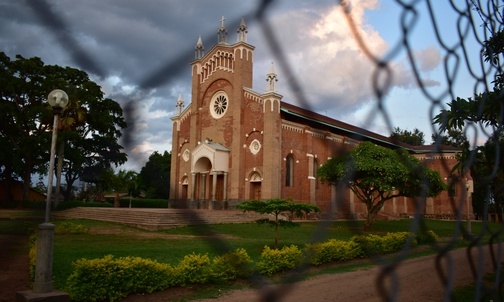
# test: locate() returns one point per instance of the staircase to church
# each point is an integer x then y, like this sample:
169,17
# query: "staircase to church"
158,219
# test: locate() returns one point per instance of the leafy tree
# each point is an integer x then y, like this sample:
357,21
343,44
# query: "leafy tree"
454,137
155,175
414,138
377,174
482,111
276,207
117,183
90,125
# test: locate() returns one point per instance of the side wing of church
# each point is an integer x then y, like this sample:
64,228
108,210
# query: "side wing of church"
231,144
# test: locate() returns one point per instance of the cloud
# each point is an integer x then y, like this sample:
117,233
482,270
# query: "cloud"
334,71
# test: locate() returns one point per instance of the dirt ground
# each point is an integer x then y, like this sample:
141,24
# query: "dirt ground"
14,266
415,280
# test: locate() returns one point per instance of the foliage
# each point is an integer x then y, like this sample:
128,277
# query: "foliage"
112,279
90,125
279,260
331,250
378,245
232,265
482,111
377,174
67,227
414,138
194,269
121,182
426,237
155,175
276,207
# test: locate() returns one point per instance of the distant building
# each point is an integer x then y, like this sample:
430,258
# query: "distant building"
231,143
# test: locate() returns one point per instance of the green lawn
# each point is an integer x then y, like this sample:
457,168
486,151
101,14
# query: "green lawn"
170,246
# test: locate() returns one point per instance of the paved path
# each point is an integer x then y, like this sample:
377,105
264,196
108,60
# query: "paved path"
417,280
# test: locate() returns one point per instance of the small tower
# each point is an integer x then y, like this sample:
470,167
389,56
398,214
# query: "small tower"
222,33
242,31
271,78
199,50
180,104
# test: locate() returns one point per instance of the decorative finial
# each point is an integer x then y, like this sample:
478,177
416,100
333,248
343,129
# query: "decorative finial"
242,31
180,104
199,50
271,78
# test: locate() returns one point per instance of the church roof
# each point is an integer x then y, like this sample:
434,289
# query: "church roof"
320,121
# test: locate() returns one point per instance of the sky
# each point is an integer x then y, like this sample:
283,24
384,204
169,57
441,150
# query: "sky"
394,67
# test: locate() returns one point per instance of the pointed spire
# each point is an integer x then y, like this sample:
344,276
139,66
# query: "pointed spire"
199,50
222,33
271,78
180,104
242,31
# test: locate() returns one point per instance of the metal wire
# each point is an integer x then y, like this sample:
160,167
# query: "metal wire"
477,20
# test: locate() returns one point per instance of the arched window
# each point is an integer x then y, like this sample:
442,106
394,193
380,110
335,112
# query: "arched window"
289,171
315,172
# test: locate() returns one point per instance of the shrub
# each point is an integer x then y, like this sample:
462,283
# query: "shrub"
332,250
426,237
376,245
112,279
194,268
275,261
68,227
232,265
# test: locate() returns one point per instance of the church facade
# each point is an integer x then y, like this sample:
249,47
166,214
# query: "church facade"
231,143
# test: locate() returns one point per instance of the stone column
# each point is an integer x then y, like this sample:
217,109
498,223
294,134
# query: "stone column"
203,191
192,191
224,190
214,189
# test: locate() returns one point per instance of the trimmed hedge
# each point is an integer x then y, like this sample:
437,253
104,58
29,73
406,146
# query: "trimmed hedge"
331,251
276,261
112,278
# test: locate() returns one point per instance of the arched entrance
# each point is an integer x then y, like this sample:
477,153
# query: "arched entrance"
208,176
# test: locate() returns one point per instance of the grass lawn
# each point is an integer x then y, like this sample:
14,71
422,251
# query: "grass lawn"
170,246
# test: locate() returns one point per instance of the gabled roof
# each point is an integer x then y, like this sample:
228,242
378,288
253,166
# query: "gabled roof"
319,121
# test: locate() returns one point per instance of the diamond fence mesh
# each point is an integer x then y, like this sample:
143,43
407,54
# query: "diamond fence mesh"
476,23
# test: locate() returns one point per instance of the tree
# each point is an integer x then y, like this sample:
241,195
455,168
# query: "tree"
453,137
482,111
91,125
117,183
377,174
276,207
155,175
414,138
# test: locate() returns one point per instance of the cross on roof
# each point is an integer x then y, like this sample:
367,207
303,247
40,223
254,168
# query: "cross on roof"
222,21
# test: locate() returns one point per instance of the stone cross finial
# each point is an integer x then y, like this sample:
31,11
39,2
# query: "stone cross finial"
222,21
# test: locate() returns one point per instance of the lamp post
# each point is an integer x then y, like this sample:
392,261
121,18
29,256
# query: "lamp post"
58,99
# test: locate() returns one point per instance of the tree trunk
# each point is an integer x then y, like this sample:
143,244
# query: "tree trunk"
276,235
116,201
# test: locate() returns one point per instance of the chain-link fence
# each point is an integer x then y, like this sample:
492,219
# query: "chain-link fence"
476,23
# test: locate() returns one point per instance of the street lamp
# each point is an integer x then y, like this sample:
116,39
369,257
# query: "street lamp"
58,99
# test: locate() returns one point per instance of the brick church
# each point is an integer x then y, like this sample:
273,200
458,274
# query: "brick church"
231,143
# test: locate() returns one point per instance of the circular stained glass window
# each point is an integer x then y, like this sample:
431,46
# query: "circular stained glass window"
219,104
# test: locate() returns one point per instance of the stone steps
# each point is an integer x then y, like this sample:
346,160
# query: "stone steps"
157,219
